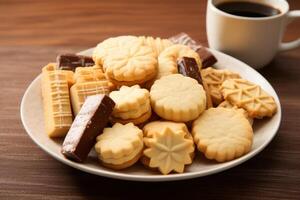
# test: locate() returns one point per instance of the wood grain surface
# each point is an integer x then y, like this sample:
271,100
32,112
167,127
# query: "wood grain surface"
32,33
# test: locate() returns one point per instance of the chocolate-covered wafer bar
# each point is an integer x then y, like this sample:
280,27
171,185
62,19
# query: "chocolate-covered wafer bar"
71,61
207,58
88,124
188,67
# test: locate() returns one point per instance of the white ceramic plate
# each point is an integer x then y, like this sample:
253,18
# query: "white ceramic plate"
264,131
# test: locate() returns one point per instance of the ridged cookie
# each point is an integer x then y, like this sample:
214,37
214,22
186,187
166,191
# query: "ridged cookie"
129,98
157,44
104,48
120,146
226,104
131,64
222,134
177,98
249,96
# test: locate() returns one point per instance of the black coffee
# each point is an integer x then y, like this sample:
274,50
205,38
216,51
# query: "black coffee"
248,9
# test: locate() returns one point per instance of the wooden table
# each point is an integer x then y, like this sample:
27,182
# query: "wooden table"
33,33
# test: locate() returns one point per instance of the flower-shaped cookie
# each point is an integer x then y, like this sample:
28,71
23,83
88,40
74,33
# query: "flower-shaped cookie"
120,146
131,64
104,48
131,102
249,96
222,134
169,151
177,98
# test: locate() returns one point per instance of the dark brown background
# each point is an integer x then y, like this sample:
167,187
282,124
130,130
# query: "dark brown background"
32,33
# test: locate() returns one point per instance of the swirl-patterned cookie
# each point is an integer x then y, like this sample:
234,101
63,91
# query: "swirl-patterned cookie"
132,64
222,134
167,60
120,146
177,98
249,96
168,150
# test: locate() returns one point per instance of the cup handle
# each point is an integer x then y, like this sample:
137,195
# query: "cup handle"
284,46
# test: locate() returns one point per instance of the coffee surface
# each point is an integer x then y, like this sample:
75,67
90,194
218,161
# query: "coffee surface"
248,9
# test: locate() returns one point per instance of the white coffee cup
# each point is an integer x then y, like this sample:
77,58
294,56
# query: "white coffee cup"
253,40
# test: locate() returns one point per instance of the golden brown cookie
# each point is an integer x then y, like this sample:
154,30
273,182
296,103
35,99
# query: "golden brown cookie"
214,78
167,60
168,150
222,134
120,146
177,98
56,101
249,96
157,44
226,104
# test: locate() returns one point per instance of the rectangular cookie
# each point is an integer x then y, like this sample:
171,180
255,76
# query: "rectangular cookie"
56,101
80,91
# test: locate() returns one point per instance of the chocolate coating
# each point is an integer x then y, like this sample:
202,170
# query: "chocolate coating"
207,58
188,67
71,61
88,124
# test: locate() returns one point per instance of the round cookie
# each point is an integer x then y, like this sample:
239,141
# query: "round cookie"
226,104
167,60
177,98
251,97
131,64
120,146
222,134
143,118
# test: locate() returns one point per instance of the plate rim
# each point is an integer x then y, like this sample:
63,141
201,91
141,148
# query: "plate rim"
154,178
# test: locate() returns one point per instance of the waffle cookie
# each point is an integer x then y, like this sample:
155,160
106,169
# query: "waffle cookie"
56,101
177,98
88,74
222,134
168,149
132,105
249,96
120,147
214,78
80,91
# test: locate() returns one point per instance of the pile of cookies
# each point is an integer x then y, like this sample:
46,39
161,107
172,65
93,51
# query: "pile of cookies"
151,100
